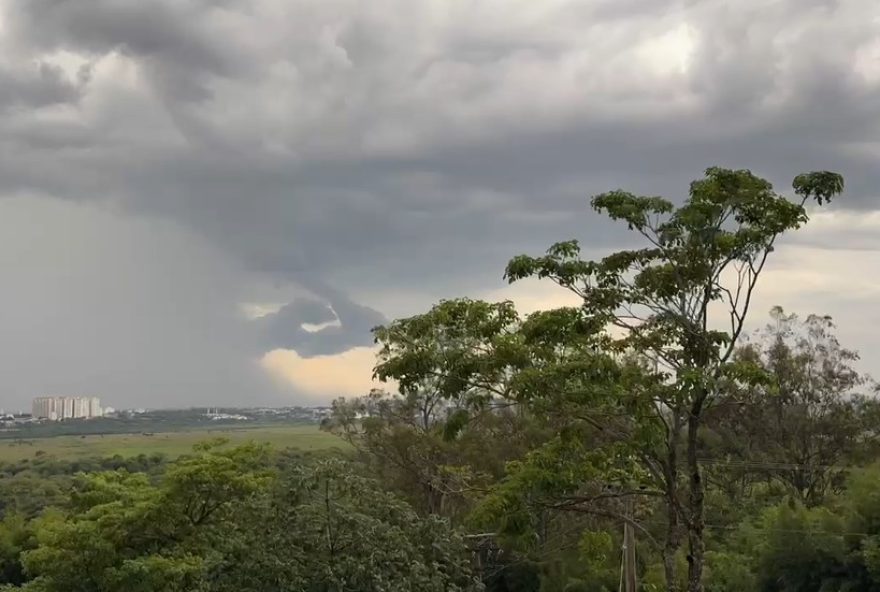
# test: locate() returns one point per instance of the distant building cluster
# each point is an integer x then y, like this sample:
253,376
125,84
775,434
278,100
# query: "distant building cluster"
58,408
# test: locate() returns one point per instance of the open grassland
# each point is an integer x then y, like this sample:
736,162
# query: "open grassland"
172,444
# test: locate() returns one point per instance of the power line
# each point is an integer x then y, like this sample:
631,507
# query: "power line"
765,529
810,531
779,465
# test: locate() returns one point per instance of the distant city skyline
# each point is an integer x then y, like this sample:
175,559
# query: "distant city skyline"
57,408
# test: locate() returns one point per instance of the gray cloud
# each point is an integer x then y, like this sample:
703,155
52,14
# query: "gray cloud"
40,86
139,312
412,147
337,325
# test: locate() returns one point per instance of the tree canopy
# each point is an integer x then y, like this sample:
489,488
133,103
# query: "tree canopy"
637,365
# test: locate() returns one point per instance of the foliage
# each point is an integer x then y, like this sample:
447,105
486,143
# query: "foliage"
16,537
232,519
124,533
660,297
809,421
460,351
643,388
440,455
325,528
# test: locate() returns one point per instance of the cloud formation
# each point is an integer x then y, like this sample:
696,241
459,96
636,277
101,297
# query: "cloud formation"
313,327
350,162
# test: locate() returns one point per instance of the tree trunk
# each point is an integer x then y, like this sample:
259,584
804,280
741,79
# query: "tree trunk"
669,570
696,526
630,583
673,534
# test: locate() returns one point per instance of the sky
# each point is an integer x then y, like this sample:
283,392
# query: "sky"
212,202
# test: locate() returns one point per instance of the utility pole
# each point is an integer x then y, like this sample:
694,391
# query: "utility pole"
628,560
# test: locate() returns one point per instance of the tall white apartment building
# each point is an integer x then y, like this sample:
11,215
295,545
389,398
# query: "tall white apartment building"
58,408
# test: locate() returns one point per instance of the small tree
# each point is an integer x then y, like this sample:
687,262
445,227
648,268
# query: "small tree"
439,454
452,366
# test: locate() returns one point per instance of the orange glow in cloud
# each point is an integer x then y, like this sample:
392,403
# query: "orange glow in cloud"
323,378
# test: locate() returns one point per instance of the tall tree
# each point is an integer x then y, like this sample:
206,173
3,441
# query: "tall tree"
630,373
703,257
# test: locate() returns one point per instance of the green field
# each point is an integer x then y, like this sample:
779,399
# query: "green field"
305,437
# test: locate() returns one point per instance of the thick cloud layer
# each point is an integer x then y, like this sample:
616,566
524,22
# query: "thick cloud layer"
342,153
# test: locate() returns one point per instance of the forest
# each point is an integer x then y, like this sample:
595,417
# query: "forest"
660,436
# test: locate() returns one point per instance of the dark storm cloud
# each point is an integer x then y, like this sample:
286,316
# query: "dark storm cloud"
173,33
415,146
136,311
347,325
